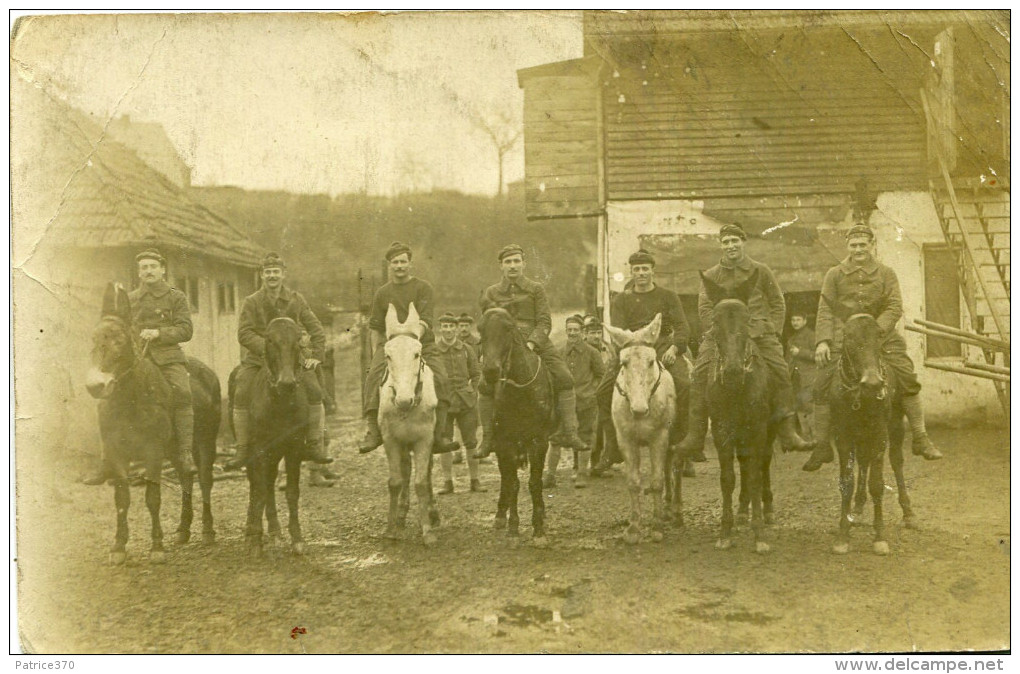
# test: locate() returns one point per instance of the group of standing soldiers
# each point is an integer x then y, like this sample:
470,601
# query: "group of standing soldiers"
583,372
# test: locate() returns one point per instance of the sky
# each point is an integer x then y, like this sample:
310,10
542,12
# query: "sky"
314,103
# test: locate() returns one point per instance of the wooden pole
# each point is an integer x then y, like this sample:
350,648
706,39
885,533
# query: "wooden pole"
970,373
962,333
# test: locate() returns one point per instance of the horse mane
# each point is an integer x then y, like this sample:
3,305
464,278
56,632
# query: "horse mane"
502,315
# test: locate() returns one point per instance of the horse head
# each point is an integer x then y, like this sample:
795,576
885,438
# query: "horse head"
731,326
113,351
640,371
862,348
283,354
498,331
404,362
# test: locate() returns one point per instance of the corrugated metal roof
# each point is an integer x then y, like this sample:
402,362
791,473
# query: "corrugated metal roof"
113,198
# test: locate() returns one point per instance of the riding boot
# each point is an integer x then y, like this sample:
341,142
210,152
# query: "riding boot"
921,444
242,433
317,477
551,463
788,436
823,442
313,435
610,450
373,436
184,432
485,418
581,475
440,445
693,443
566,410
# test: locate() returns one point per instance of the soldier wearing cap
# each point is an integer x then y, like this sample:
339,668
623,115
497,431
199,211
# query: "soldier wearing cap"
401,290
463,373
164,317
526,301
275,300
633,309
861,284
465,331
593,336
587,368
768,312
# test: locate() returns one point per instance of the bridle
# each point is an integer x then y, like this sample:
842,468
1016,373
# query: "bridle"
655,387
749,355
138,358
850,378
505,367
418,382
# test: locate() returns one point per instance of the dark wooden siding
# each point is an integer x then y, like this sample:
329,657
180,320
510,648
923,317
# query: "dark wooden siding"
561,146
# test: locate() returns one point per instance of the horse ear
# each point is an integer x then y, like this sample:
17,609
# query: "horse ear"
715,292
392,324
618,336
650,333
743,291
123,304
414,321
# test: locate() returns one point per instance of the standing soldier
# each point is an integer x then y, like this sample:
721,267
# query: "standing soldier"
275,300
633,309
593,336
768,312
465,331
800,356
463,374
526,301
402,289
586,367
862,285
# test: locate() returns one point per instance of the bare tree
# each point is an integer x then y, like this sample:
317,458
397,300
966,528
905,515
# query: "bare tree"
504,131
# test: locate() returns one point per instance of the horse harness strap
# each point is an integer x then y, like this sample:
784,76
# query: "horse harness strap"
419,384
655,386
526,384
849,381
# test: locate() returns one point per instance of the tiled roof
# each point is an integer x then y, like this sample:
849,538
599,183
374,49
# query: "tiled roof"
113,198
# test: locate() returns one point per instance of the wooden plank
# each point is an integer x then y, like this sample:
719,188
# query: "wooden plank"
780,153
560,147
807,139
747,125
564,210
573,168
552,194
560,181
744,190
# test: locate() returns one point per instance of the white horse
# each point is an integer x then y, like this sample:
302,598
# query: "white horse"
644,404
407,417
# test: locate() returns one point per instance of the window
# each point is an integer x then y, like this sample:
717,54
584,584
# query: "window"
226,294
189,286
941,298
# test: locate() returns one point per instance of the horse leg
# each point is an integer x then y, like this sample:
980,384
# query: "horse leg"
861,491
727,480
423,488
896,461
503,503
846,493
187,482
752,466
632,458
537,465
152,502
272,469
396,486
404,498
678,489
744,499
766,484
513,488
292,464
256,505
122,501
877,485
205,483
657,458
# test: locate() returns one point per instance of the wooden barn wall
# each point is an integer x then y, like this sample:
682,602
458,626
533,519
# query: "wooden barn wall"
561,146
715,118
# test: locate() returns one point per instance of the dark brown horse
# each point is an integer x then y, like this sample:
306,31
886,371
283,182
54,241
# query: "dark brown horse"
522,416
738,399
867,418
279,416
134,422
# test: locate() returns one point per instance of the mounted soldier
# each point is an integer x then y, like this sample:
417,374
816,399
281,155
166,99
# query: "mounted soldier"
525,300
632,310
768,312
402,289
275,300
862,285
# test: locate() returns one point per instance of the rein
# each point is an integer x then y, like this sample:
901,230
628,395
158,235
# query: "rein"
749,356
850,379
655,386
419,383
508,380
138,361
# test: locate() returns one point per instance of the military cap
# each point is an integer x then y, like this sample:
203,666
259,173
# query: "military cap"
397,248
511,249
860,229
592,323
447,318
272,261
466,318
732,230
576,320
641,257
150,254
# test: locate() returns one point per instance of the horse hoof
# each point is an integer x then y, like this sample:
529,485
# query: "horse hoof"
514,530
118,557
499,523
723,544
434,518
910,523
157,556
881,548
656,536
540,542
208,538
392,534
297,547
401,523
631,537
841,548
182,537
429,539
741,519
761,547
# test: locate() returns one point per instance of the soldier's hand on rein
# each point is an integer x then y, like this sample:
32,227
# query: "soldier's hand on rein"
310,363
822,354
149,334
669,357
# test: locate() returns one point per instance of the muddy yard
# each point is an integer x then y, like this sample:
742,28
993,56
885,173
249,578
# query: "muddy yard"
944,586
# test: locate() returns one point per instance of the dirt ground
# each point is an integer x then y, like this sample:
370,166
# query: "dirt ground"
944,586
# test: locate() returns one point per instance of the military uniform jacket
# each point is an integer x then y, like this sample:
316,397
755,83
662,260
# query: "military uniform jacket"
527,303
632,311
257,311
804,361
400,295
766,303
587,368
166,309
871,289
462,372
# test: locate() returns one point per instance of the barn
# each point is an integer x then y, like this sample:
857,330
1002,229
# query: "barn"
83,206
794,124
